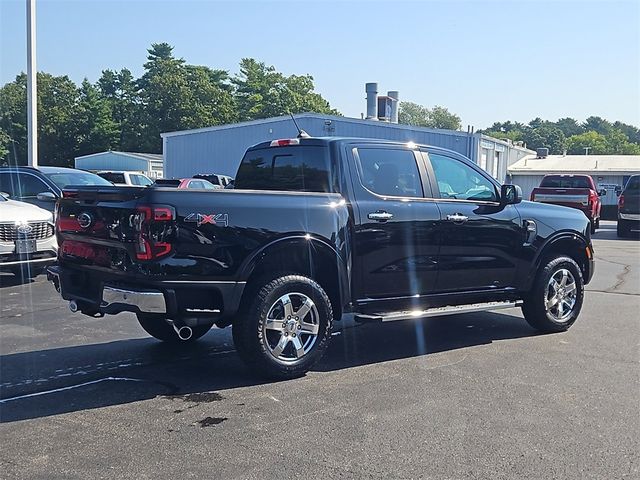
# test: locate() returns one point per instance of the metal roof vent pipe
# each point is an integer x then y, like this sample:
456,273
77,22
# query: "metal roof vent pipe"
395,105
372,100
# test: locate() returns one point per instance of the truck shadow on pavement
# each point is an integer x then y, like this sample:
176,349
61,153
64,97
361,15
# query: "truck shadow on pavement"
43,383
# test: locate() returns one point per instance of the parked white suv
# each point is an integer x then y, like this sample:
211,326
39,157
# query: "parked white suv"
27,238
126,178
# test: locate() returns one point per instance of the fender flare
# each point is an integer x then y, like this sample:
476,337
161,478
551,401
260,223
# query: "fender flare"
321,247
546,246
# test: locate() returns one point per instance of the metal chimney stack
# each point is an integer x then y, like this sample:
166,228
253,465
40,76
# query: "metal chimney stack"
372,100
395,95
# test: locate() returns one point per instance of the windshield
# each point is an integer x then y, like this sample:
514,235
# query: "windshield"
76,177
633,184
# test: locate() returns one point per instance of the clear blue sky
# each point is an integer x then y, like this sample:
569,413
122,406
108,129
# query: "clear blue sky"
485,61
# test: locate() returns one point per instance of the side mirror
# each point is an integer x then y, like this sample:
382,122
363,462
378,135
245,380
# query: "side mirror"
510,194
602,193
46,197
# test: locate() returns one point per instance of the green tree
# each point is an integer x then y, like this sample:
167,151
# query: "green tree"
597,124
97,130
596,142
617,143
440,117
13,119
262,92
633,133
5,145
410,113
546,136
569,126
58,120
120,91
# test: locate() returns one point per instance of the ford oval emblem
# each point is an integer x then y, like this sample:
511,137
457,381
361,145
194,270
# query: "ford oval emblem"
85,220
25,229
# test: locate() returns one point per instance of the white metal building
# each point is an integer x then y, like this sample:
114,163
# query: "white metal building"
150,164
610,172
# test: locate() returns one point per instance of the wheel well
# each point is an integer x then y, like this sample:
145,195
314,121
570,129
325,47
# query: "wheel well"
306,260
571,248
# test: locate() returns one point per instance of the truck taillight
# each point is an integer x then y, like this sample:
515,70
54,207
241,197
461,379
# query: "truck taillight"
593,198
621,200
153,224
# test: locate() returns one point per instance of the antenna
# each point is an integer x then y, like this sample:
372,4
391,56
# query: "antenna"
301,133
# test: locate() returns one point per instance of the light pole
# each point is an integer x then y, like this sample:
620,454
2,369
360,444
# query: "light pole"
32,86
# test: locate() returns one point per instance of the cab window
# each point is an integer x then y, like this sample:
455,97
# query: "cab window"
392,172
461,182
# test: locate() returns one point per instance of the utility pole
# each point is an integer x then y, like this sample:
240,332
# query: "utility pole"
32,86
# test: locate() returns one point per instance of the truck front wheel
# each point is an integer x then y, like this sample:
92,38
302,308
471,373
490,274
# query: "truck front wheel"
285,326
555,301
159,328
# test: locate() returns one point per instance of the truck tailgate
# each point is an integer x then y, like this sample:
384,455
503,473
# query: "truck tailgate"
571,197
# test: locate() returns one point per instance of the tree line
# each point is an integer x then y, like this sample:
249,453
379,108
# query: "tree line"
594,136
121,112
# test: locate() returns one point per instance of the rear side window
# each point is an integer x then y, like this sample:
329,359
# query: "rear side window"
301,168
387,171
565,182
633,184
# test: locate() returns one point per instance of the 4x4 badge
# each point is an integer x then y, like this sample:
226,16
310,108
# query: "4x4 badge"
212,219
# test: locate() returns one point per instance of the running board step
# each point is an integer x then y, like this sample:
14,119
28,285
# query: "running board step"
435,312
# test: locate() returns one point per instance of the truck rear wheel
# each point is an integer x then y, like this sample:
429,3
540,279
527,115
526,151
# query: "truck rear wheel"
285,327
555,301
157,327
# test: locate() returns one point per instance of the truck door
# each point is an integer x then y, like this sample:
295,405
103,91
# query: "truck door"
480,239
395,239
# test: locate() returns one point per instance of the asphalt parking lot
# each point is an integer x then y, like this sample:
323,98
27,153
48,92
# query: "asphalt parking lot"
472,396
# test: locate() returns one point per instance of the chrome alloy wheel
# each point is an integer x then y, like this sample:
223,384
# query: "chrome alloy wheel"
291,327
561,295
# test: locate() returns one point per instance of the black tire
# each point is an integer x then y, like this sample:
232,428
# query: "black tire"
622,229
157,327
534,307
598,223
251,337
594,226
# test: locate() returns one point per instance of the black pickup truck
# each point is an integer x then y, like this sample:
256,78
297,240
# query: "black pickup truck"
314,229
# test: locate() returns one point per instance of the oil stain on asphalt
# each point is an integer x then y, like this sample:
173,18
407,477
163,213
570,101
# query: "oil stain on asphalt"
208,421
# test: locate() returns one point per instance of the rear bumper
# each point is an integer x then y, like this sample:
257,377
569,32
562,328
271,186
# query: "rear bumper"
634,217
106,294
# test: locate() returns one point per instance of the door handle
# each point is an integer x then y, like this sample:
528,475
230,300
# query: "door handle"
380,216
457,218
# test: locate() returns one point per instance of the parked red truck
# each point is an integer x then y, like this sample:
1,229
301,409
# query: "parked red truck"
575,191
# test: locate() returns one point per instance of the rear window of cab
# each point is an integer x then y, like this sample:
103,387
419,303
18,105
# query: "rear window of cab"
304,168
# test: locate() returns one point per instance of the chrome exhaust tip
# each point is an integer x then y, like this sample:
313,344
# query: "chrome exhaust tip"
73,306
183,331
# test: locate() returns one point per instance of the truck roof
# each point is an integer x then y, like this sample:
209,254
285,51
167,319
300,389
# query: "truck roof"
318,141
